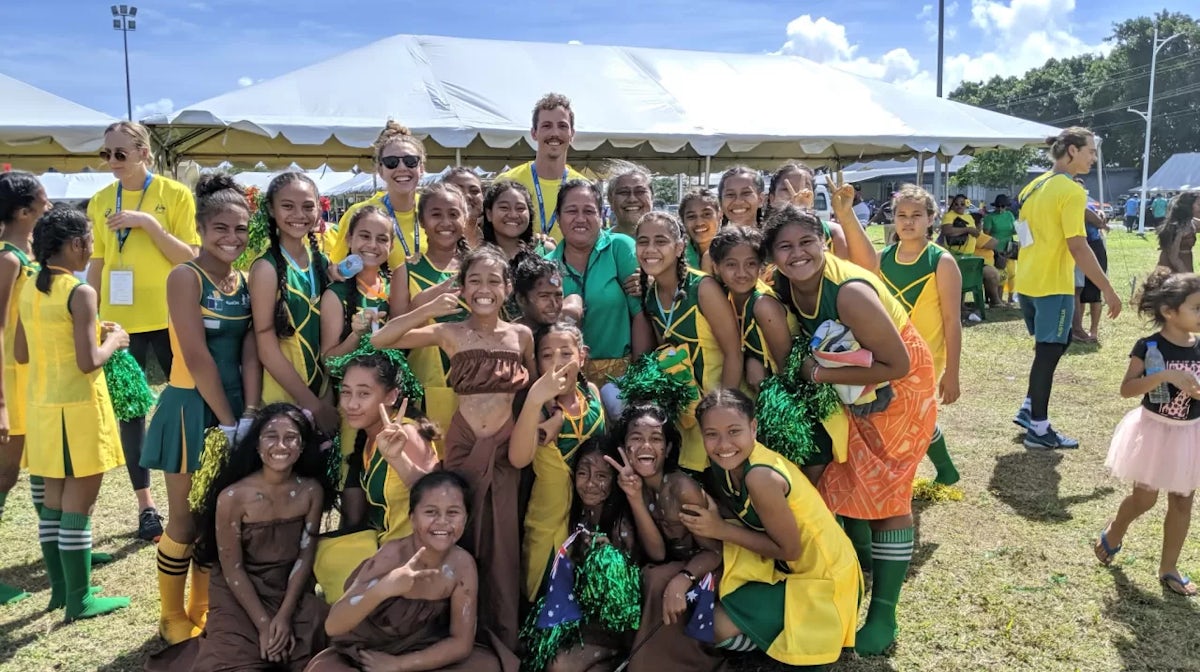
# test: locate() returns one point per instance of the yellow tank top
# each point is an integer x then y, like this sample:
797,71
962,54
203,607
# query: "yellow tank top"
55,378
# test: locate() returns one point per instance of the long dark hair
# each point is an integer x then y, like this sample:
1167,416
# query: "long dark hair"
283,322
1179,217
615,508
681,269
489,201
244,461
54,230
18,189
647,409
1165,289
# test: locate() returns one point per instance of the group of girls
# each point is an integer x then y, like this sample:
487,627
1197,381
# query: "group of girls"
476,451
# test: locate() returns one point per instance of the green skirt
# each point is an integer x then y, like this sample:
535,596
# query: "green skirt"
175,437
757,610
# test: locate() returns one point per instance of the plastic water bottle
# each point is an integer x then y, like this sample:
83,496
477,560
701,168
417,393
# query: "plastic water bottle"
1154,364
350,266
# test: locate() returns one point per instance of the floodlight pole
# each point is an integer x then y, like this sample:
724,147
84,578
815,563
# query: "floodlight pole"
1148,116
941,46
123,20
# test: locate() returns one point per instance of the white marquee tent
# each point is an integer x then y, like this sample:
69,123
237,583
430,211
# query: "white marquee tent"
326,178
472,99
40,130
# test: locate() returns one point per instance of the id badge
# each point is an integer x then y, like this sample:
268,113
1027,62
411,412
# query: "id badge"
120,288
1024,233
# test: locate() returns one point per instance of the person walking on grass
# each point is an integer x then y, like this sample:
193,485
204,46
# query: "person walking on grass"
1157,445
1053,242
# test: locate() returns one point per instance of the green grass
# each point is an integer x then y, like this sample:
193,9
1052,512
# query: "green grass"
1003,580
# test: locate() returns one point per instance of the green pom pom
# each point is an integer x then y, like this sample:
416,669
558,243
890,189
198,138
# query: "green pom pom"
543,644
609,587
664,382
789,407
334,461
410,387
128,390
212,460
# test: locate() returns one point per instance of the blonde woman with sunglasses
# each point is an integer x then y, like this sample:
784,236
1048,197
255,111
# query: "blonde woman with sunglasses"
144,225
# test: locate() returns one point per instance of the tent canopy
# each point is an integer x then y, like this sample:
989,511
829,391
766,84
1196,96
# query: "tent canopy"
39,130
656,106
1178,173
326,178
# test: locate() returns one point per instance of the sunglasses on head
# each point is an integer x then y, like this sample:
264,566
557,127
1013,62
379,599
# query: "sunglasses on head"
119,155
391,162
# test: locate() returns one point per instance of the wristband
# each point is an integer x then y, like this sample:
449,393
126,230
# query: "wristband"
688,575
812,376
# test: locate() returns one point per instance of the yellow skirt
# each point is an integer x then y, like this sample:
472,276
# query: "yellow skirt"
546,518
272,391
74,440
16,384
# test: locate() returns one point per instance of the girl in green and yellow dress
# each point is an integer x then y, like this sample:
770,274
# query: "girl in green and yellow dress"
688,311
790,581
561,411
71,430
286,284
700,212
22,202
736,254
215,377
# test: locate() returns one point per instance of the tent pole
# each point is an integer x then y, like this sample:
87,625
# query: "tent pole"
1100,174
707,171
921,169
457,156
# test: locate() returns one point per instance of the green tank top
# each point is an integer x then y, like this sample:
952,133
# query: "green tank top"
682,325
421,276
364,301
303,303
906,282
579,429
754,344
226,320
692,255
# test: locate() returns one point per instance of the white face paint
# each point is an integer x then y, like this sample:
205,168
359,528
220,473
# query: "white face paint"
292,493
355,600
448,571
372,583
295,568
305,540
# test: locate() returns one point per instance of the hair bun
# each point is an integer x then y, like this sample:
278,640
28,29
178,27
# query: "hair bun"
395,128
211,184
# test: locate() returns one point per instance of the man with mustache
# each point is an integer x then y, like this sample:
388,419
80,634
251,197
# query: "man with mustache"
552,131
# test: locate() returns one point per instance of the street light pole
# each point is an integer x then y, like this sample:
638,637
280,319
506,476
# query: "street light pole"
124,21
1149,117
941,48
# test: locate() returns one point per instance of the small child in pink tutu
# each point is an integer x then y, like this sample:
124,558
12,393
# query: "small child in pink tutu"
1157,445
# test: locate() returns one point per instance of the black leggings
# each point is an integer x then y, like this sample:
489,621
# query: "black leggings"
133,432
1041,377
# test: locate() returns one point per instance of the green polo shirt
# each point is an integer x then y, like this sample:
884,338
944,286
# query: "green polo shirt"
607,310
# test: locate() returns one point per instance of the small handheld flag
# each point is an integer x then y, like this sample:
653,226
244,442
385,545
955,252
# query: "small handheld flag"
702,595
560,605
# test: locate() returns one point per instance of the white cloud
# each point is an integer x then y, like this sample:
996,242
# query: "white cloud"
574,42
160,106
245,81
1016,36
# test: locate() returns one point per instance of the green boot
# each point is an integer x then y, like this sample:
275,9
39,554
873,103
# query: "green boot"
946,473
75,547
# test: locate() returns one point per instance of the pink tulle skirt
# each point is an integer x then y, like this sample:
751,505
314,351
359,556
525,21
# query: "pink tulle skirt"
1155,452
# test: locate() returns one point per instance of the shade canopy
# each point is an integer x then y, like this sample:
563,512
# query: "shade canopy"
1178,173
472,101
39,130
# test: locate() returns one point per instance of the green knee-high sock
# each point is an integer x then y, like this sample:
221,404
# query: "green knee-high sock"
75,547
37,492
892,552
859,532
9,594
946,473
48,523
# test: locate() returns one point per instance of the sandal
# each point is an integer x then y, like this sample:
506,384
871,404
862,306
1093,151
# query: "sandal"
1178,583
1105,553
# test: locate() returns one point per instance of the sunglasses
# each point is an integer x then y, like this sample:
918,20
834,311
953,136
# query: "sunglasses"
119,155
391,162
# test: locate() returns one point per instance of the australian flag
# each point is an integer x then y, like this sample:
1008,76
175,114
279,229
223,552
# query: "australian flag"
560,605
704,601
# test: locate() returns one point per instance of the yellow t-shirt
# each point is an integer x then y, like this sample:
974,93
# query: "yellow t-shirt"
550,186
405,223
172,205
1054,213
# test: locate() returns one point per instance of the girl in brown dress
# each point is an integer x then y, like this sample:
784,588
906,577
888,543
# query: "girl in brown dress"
259,525
490,360
413,604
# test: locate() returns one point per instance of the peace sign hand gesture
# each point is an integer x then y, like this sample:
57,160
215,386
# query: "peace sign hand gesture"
392,439
627,478
445,304
802,198
842,193
553,383
401,580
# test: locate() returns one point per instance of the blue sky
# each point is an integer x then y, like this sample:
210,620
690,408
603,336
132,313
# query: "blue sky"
186,51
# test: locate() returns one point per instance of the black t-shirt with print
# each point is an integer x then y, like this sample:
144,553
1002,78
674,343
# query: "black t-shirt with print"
1186,358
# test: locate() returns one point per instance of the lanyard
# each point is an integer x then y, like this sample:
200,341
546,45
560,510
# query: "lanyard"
537,187
387,203
669,317
123,234
369,293
311,272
